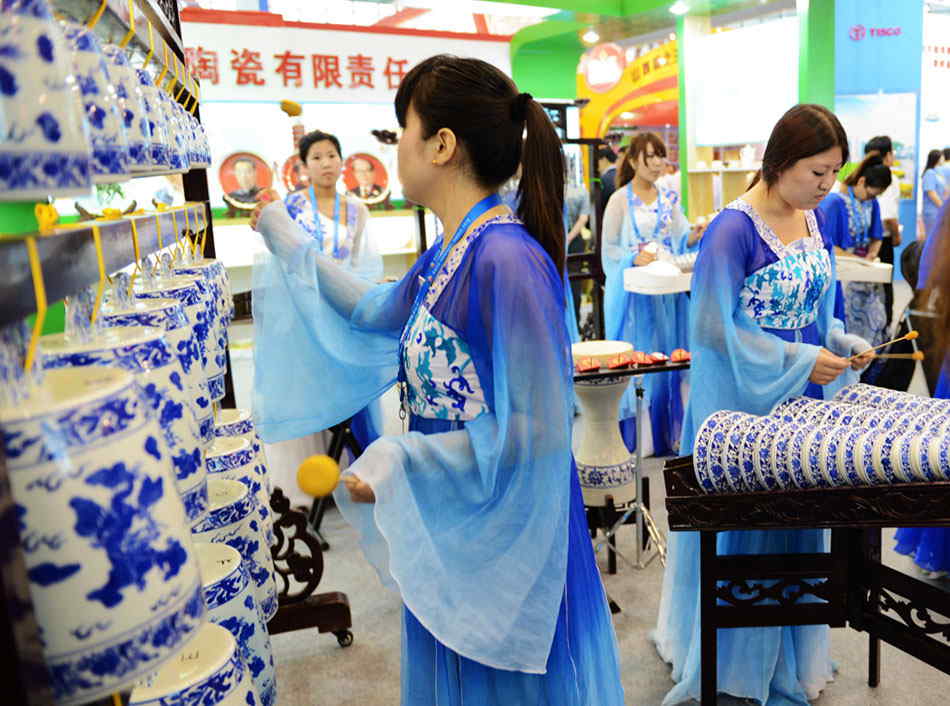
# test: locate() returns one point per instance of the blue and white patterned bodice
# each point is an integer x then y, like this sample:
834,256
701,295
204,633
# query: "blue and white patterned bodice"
442,382
787,293
301,210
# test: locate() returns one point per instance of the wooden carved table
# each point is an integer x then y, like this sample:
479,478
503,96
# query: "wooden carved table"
849,586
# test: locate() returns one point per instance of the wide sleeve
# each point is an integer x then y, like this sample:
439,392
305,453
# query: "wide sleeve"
366,260
679,227
739,365
326,340
471,525
835,215
615,256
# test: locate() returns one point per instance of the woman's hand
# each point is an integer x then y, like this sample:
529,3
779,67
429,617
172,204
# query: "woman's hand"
360,492
266,197
828,367
862,361
696,234
645,257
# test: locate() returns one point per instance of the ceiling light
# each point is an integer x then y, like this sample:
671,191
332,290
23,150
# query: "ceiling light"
590,36
679,8
672,36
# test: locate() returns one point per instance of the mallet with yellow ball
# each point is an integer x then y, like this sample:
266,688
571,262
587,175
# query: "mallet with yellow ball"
909,336
318,475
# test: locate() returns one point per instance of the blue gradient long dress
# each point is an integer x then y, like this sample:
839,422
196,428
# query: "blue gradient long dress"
478,521
759,312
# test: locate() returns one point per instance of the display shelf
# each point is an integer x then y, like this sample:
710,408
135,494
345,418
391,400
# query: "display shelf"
69,260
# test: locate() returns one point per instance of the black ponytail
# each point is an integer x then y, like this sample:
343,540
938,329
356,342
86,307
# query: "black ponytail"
933,158
874,172
488,115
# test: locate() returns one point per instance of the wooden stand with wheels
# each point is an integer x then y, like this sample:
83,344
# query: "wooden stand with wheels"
328,612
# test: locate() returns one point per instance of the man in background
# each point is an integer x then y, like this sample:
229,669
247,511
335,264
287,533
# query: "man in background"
245,173
366,186
606,165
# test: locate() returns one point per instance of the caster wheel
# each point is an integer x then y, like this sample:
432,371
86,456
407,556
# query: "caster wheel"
325,545
344,638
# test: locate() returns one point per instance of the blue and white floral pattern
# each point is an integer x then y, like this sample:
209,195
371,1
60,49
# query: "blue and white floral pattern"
606,477
786,294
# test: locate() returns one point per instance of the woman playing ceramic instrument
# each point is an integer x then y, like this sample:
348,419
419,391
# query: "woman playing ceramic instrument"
762,330
475,515
640,219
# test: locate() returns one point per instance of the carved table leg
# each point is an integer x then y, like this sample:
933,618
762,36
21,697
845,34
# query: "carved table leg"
873,558
708,665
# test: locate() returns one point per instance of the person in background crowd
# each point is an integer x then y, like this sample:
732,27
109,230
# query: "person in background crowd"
930,546
944,171
934,190
853,224
475,516
245,173
642,222
576,218
762,330
889,201
606,165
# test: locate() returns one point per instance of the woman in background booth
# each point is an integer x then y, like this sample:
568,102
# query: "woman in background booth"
762,330
853,224
642,221
934,189
930,546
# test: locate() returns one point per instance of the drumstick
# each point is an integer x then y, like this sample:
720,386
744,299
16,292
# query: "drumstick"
917,355
909,336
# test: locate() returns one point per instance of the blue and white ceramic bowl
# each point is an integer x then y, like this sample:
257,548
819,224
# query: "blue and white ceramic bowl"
768,430
110,143
237,423
169,315
113,579
229,594
208,671
786,466
849,456
789,410
710,444
217,309
233,458
733,454
864,457
131,104
232,520
809,457
44,143
145,353
939,456
902,460
159,151
883,471
828,455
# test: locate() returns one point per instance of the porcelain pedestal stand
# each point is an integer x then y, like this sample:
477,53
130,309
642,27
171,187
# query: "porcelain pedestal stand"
610,476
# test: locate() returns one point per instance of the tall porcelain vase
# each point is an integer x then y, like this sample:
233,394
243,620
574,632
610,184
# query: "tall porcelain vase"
604,464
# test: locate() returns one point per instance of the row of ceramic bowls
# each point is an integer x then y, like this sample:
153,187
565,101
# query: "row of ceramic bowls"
866,436
76,113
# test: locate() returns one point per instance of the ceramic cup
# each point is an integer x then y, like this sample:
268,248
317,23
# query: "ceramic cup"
233,458
229,595
113,580
145,353
208,671
131,103
232,521
110,143
177,150
169,315
237,423
44,147
218,307
159,157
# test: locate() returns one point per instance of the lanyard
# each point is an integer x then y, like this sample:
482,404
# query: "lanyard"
631,207
860,228
319,225
476,212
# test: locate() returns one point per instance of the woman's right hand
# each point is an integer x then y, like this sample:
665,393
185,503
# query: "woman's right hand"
267,196
645,257
828,367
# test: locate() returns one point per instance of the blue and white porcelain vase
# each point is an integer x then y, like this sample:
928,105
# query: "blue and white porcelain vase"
238,423
208,671
131,103
229,595
169,315
220,308
44,144
159,152
144,352
232,520
113,578
110,144
604,464
234,459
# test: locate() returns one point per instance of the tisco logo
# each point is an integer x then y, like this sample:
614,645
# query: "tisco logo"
859,32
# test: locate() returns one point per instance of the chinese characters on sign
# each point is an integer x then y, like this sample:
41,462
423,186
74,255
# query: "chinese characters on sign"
941,55
327,70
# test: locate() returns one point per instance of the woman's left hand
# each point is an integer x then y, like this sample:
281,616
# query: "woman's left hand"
360,492
862,361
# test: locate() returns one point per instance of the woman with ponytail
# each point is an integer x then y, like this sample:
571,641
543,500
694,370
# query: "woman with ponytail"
474,515
934,189
853,223
641,222
762,330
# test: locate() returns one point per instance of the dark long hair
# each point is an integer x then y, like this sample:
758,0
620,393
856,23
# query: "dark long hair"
938,283
805,130
312,138
933,156
875,173
626,170
489,116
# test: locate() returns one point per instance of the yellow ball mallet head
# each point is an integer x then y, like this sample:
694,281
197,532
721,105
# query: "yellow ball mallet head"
318,475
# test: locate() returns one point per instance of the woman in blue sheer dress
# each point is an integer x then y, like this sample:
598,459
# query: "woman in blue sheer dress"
340,226
474,515
853,224
762,330
930,546
934,189
640,220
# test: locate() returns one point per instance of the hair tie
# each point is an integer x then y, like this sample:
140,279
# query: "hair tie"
519,107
